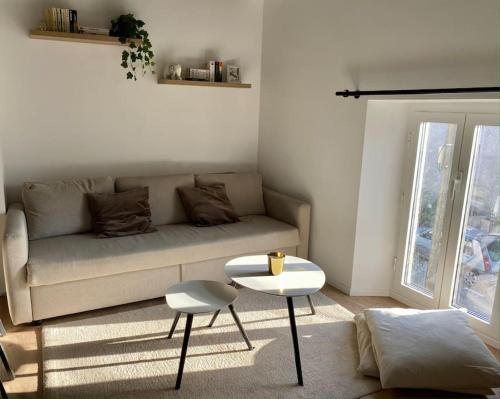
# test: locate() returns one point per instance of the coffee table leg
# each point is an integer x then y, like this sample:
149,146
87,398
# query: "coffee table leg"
5,361
293,326
187,332
214,318
174,324
240,326
2,391
313,311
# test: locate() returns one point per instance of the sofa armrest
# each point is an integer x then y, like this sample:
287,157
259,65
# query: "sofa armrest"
291,211
15,258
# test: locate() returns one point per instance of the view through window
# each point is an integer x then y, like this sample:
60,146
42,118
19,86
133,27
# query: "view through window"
430,193
479,259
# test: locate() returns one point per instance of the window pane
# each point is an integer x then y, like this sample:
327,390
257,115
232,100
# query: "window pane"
479,259
430,193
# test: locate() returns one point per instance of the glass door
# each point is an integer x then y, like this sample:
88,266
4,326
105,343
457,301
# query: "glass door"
431,181
473,259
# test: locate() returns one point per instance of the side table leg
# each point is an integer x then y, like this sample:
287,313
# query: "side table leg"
240,326
174,324
5,361
214,318
313,311
293,326
187,332
2,391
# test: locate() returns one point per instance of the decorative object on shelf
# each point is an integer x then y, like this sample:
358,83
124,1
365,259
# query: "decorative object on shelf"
275,262
199,74
233,74
173,72
61,19
42,26
127,28
215,70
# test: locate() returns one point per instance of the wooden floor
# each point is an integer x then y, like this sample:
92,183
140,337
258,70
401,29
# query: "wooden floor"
23,347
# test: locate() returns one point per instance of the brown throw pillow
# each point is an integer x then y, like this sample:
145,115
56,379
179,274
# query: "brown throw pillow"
207,205
121,214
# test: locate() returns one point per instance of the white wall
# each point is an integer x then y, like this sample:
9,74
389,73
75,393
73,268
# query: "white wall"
311,142
377,222
67,109
2,222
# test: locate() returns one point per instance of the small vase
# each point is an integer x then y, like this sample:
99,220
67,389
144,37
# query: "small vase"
275,261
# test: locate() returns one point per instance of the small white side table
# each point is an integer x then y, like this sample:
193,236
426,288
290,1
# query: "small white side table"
200,296
300,277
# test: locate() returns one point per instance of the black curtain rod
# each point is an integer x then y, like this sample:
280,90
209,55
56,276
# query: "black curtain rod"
359,93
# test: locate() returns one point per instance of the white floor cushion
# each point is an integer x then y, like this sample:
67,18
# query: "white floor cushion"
367,364
434,349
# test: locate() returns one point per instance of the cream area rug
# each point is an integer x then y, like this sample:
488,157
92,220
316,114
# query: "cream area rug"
125,354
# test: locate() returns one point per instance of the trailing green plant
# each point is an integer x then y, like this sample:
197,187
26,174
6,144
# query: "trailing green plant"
140,53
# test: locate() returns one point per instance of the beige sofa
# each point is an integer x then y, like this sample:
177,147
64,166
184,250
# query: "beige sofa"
54,265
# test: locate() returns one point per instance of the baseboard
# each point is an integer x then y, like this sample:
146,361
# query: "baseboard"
348,290
369,292
403,299
340,286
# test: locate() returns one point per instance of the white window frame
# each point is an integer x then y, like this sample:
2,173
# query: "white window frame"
444,283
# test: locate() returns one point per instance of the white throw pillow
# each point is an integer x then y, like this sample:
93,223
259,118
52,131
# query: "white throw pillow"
433,349
367,364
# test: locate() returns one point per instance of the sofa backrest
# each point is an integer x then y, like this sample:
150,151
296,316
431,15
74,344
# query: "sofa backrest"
243,189
165,204
60,207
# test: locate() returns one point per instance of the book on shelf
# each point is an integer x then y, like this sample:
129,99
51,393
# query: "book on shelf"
89,30
215,71
61,19
211,71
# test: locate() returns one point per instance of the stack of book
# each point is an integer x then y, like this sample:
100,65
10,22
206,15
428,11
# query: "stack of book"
93,31
61,19
215,70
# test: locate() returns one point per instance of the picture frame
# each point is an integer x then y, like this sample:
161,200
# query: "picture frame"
233,74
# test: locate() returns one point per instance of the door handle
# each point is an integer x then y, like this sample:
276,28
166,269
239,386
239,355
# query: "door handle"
457,182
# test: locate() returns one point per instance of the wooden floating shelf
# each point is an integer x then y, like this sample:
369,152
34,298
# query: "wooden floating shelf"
77,37
204,83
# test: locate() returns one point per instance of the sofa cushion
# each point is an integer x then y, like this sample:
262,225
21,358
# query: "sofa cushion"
121,214
166,207
243,189
77,257
207,205
60,207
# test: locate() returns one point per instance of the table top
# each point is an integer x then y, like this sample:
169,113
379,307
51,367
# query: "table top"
300,277
200,296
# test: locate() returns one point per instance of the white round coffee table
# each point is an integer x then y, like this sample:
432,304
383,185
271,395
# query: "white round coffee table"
300,277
